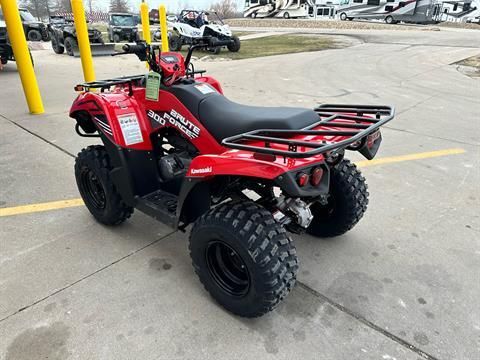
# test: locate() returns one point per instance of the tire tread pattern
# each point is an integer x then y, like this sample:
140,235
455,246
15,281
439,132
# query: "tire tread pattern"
347,179
97,158
268,244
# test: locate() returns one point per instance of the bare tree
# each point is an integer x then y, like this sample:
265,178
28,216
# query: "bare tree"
225,8
119,5
39,8
182,5
90,4
62,6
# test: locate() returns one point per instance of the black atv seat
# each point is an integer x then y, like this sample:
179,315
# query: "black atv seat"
224,118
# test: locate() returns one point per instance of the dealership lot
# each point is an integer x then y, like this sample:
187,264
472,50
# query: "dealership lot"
403,284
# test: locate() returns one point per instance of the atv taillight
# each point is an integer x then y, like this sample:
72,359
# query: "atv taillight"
302,179
316,176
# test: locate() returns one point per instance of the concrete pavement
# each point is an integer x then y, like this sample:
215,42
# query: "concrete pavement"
402,285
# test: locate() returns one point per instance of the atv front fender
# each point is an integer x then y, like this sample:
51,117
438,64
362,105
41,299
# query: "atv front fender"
210,80
94,111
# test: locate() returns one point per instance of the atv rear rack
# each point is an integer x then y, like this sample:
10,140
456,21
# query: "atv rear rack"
362,120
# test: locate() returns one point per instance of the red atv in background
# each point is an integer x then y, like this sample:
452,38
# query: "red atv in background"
243,175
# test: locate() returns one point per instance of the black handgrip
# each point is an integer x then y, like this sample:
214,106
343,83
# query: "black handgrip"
140,49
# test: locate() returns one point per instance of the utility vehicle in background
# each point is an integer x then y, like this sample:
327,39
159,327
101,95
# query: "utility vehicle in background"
35,30
122,27
175,148
64,38
6,51
192,25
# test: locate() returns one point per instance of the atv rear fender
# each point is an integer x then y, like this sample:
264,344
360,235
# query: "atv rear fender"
283,155
279,171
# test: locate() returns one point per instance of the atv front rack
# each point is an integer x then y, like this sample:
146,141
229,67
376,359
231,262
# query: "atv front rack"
107,84
355,122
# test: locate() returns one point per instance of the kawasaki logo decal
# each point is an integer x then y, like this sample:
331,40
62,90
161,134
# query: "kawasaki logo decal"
202,170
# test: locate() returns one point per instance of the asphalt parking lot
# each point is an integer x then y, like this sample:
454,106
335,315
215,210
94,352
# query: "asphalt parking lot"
403,284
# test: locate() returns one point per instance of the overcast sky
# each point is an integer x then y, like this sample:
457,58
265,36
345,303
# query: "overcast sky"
172,5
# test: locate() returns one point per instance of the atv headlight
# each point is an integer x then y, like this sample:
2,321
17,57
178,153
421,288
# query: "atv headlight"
117,29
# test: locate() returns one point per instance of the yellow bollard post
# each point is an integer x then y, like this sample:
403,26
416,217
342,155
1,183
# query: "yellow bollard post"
83,40
162,13
145,23
22,56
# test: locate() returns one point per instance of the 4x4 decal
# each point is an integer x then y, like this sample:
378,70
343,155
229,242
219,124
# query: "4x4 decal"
160,119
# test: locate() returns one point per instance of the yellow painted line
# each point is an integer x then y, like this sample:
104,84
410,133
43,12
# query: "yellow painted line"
63,204
409,157
47,206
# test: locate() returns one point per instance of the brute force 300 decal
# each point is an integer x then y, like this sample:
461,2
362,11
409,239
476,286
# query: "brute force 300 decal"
174,119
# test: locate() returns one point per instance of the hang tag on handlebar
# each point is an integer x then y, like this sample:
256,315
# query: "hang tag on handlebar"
153,86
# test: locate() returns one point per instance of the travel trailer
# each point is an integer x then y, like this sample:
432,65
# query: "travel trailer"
458,11
323,11
277,8
390,11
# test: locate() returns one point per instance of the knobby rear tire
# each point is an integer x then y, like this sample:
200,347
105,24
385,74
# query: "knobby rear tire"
267,252
347,203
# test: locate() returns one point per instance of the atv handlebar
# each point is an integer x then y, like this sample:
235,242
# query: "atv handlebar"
146,52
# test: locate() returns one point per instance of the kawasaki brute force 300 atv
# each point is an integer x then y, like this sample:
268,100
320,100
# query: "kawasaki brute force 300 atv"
193,25
178,150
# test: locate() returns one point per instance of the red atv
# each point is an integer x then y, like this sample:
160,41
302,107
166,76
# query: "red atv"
243,175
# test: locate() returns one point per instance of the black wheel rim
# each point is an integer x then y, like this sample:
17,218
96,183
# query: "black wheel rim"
227,268
325,211
34,36
93,189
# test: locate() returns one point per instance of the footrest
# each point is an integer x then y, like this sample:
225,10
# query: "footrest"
161,205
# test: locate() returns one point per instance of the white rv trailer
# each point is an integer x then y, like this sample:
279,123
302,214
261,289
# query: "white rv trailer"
277,8
391,11
458,11
326,10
